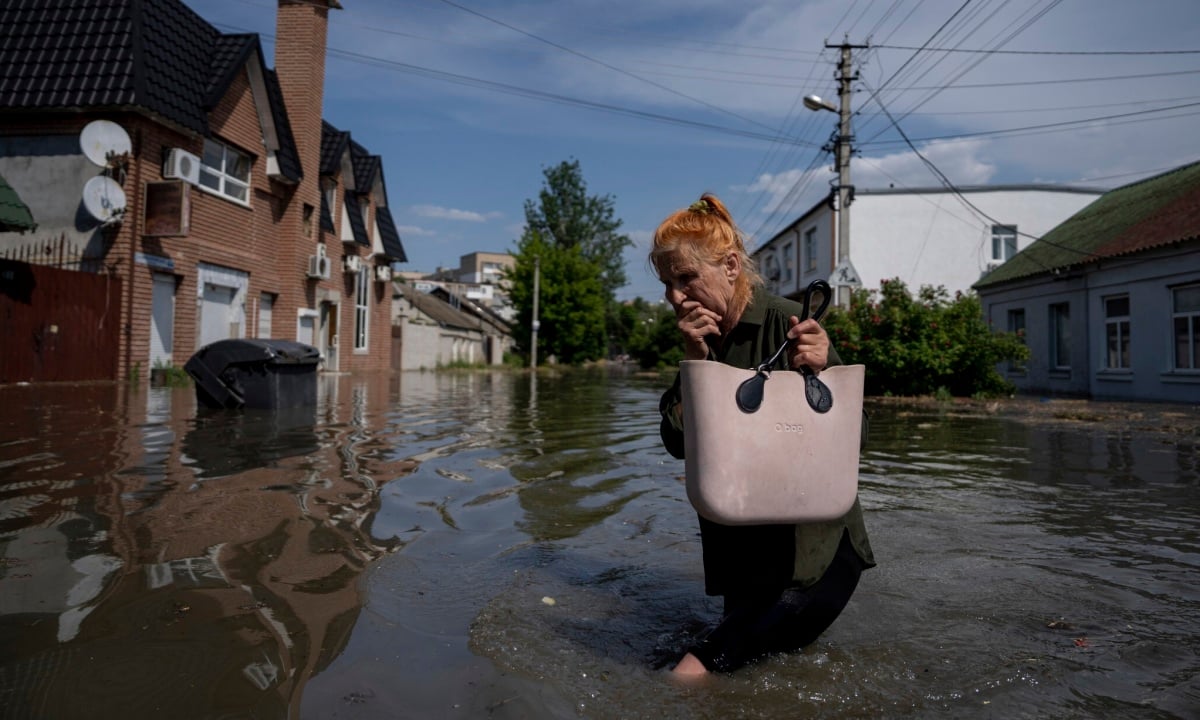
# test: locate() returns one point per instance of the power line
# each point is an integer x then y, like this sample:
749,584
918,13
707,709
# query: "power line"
1045,52
564,48
949,185
1028,128
543,95
1024,83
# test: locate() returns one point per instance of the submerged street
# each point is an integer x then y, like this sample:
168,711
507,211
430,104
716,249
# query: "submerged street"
491,544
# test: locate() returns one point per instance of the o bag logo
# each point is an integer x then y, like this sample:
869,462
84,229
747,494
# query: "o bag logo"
789,428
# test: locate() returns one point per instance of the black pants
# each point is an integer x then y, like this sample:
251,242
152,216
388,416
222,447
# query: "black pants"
753,626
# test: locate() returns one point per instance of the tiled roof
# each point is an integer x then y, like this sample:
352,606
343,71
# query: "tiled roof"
354,211
287,154
333,146
366,166
155,55
1150,213
392,247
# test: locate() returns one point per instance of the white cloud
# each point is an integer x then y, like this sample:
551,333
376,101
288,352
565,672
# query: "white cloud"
438,212
414,231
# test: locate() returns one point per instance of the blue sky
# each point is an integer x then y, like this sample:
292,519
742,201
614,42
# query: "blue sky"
660,100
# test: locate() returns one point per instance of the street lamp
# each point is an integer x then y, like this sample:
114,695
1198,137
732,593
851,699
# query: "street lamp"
814,102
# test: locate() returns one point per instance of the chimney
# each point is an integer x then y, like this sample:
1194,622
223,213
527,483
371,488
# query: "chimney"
300,32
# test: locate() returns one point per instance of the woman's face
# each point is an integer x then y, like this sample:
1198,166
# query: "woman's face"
687,279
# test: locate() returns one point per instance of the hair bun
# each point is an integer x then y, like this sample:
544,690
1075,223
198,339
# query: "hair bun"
701,206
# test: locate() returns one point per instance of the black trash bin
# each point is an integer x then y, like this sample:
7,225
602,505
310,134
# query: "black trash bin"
268,374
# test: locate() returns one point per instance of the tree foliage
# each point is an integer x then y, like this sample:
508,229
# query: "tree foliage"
652,336
573,238
916,346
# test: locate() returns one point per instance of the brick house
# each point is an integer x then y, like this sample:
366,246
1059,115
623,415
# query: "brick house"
244,213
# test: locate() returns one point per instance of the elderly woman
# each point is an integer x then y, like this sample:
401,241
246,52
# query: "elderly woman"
782,585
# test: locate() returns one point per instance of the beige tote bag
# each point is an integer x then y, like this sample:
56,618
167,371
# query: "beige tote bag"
785,462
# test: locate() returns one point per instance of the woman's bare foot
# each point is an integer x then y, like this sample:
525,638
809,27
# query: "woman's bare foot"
690,667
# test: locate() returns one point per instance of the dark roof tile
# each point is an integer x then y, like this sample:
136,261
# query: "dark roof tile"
357,226
392,246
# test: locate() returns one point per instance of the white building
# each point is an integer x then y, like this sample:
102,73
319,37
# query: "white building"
924,236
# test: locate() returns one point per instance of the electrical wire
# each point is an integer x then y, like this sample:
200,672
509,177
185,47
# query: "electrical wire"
949,185
564,48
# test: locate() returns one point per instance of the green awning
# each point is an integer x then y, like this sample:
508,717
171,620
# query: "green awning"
14,214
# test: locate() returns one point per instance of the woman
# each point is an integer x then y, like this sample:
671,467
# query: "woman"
783,585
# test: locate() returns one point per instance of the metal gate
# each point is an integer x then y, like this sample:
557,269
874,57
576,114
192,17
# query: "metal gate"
58,325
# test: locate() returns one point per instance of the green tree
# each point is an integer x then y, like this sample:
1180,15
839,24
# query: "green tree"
914,346
575,239
656,341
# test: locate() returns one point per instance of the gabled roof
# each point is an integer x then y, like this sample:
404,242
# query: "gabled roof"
1150,213
437,309
154,56
354,211
392,246
334,144
367,167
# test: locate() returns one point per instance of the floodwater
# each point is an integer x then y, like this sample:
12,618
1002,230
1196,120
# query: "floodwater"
470,545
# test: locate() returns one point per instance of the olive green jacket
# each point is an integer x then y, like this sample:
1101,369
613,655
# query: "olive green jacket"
747,558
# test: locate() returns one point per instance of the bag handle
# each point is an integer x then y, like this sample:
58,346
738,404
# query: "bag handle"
749,395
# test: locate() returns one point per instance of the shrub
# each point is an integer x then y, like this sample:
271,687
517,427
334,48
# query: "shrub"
923,345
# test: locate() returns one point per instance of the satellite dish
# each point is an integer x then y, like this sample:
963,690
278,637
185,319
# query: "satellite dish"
100,138
104,199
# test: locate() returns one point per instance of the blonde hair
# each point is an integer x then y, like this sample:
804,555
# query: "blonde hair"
705,232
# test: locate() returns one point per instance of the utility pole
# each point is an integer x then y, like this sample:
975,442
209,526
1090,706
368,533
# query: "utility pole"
844,275
537,271
845,78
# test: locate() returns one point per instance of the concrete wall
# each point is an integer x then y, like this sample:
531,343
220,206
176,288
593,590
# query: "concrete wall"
49,172
923,238
1147,278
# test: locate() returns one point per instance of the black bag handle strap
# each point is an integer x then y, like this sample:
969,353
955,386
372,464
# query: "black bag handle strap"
749,394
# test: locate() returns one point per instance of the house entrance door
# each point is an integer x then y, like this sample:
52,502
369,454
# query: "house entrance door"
329,335
162,320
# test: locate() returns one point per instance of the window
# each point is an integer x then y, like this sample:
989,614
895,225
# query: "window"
1004,242
266,307
789,265
1116,332
1186,320
225,171
1016,325
1060,336
362,282
810,249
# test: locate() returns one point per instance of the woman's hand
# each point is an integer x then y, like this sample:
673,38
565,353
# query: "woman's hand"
811,346
696,322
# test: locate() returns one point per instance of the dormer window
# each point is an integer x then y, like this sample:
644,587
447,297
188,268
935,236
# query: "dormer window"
226,171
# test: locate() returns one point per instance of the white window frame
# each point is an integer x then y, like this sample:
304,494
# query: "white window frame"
222,175
1116,334
1060,336
266,314
362,309
1185,357
1004,242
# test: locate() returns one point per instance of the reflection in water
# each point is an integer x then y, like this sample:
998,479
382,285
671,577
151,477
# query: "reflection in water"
215,571
501,545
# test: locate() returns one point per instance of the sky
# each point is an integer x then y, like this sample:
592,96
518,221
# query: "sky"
469,101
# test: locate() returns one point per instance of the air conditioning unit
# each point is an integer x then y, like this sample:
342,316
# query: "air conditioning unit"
319,265
383,273
182,165
352,263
